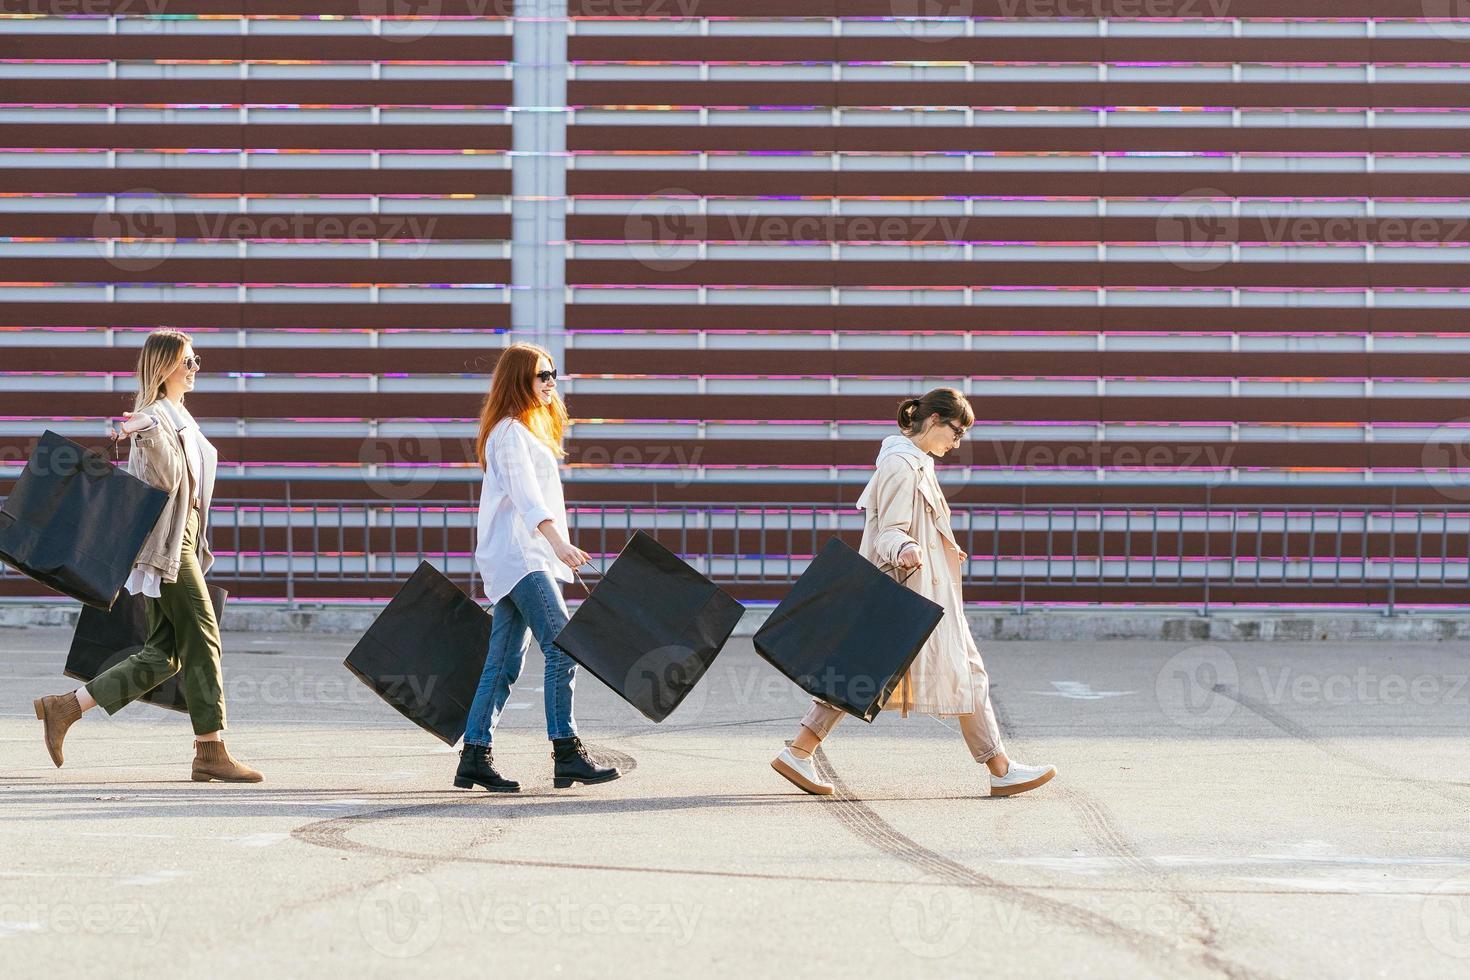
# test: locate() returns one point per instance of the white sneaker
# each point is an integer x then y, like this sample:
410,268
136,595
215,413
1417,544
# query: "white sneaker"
802,772
1019,778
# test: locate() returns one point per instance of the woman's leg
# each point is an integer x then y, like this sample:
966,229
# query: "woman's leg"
818,723
507,653
981,728
120,684
185,602
127,680
795,761
540,602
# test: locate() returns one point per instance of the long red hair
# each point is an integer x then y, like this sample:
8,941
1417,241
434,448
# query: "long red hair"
513,395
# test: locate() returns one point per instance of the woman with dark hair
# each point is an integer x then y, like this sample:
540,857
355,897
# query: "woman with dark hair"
908,529
170,453
522,554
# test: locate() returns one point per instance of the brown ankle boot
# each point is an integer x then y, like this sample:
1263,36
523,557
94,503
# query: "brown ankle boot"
212,761
57,712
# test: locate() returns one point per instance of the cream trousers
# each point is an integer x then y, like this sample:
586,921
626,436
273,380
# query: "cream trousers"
979,728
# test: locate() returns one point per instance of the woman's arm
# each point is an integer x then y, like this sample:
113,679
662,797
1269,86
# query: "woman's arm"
512,455
893,500
160,459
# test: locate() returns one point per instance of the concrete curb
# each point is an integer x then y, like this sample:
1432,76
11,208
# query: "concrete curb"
1050,625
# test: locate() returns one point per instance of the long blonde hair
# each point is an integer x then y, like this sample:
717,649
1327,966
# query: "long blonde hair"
513,395
161,354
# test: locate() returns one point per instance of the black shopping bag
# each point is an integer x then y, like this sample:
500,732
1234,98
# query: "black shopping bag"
75,523
424,653
104,637
651,628
847,633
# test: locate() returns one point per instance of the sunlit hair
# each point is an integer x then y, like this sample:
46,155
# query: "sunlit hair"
513,395
161,355
948,403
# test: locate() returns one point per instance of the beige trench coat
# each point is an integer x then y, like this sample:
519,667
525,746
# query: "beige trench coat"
157,458
904,504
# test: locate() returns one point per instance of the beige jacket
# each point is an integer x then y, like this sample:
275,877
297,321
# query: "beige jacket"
157,458
905,504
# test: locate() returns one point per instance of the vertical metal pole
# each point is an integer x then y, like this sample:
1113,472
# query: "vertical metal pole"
1208,501
1393,540
538,175
290,552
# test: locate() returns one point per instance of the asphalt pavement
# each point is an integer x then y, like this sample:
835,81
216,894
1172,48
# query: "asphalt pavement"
1253,810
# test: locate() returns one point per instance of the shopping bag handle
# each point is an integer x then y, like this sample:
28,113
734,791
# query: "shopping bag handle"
894,564
578,573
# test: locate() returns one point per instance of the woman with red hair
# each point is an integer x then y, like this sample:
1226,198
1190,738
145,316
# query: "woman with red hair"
523,552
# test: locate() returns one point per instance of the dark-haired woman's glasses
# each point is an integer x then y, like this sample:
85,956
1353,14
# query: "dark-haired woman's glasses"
959,433
545,376
194,362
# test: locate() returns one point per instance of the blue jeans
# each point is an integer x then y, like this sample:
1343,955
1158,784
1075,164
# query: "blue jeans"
534,608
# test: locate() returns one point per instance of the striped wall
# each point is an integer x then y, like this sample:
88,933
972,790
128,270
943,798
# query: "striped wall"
1226,251
1170,248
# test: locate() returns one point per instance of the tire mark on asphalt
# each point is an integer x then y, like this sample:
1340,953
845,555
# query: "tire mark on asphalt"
423,863
1103,830
1300,731
1100,826
663,729
609,756
332,833
868,826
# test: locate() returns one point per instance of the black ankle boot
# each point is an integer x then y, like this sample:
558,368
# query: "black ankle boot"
475,767
573,765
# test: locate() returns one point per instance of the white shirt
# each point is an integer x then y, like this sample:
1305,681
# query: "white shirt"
522,488
145,581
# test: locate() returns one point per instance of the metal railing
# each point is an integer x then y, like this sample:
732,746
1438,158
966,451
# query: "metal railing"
1019,555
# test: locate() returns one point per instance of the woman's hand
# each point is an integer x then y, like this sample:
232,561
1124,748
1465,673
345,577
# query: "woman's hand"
132,422
909,557
573,556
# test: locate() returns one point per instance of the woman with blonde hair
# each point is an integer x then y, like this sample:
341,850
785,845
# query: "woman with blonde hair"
522,554
907,527
170,453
